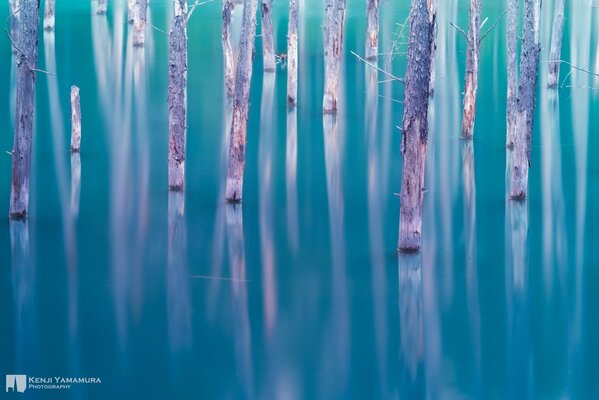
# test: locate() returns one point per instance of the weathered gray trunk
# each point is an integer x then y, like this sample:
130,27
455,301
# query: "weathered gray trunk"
49,10
177,96
236,162
557,33
292,53
228,62
512,71
527,88
433,20
268,47
27,39
75,183
333,46
140,12
75,119
471,79
415,122
372,29
101,7
131,11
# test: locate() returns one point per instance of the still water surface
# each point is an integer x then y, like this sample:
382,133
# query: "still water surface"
299,292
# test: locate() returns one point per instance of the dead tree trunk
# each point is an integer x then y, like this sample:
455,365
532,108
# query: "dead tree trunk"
512,71
75,120
333,45
49,9
292,58
27,39
236,163
556,43
268,47
527,88
140,11
415,122
471,79
228,62
131,11
177,96
101,7
372,29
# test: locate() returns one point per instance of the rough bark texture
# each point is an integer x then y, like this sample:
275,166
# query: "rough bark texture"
415,122
557,34
372,29
527,88
236,163
228,62
140,11
471,79
333,45
177,97
101,7
75,119
27,39
292,53
432,9
49,8
512,71
268,47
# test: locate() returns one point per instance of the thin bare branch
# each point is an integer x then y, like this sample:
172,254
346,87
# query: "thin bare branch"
459,29
378,69
494,24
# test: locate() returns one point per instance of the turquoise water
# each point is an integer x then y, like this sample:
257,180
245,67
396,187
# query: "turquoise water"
299,292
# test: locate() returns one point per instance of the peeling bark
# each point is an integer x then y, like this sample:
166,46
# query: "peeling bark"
372,29
177,97
101,7
268,48
333,46
292,56
512,71
236,162
49,11
415,122
557,33
471,79
140,15
527,88
228,61
75,119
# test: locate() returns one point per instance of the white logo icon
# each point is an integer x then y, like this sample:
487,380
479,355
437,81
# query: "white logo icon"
16,383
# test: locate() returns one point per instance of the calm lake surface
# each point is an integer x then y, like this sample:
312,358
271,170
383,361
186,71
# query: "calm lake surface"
299,292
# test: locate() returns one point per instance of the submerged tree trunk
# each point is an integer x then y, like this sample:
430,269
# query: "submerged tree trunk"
236,163
268,47
101,7
27,39
228,62
512,71
372,29
415,122
333,45
292,61
177,96
527,88
556,43
131,11
49,9
14,21
140,12
75,119
471,80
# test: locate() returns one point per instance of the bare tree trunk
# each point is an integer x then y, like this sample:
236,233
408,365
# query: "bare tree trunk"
14,21
27,39
268,47
333,45
101,7
471,79
75,120
527,88
415,122
236,163
140,15
556,43
131,11
292,58
228,62
512,71
432,7
372,29
177,96
49,8
75,183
